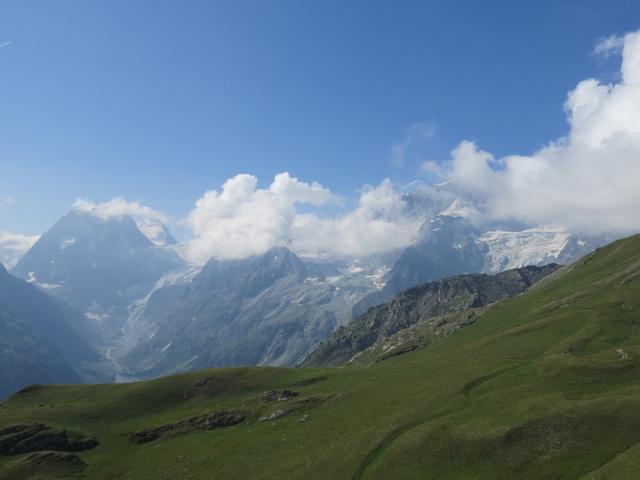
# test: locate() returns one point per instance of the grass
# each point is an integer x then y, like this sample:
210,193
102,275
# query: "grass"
535,389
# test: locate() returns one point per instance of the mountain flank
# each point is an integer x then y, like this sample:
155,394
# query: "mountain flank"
40,341
433,303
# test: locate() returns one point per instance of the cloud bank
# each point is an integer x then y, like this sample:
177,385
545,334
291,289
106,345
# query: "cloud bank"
243,220
13,246
118,207
588,181
379,223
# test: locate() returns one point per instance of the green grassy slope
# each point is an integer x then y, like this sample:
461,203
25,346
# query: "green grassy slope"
545,385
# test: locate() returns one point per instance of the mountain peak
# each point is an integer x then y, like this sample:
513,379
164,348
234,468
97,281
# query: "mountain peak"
157,232
254,274
94,260
279,253
285,258
460,207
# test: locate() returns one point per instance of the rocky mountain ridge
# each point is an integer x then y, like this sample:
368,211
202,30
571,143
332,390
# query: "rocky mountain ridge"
434,303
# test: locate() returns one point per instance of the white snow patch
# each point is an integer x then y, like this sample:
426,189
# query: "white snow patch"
355,269
31,278
156,231
67,243
96,317
534,246
378,276
459,208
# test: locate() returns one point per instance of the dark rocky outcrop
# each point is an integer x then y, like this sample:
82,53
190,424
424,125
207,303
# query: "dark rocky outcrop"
279,395
37,437
209,421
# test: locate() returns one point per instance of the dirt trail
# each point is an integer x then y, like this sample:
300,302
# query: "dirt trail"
380,447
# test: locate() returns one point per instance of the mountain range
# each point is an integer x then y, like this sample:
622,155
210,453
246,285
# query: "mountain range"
149,312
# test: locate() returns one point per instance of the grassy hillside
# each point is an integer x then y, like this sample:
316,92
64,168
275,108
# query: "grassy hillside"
545,385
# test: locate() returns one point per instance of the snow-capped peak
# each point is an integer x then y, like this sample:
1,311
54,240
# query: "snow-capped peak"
157,232
459,208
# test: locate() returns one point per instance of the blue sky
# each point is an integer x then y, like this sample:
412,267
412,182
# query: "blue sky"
159,101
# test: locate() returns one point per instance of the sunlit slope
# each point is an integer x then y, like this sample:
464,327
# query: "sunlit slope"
544,385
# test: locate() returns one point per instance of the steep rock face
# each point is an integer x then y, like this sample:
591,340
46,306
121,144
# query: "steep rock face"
419,304
447,246
39,342
264,310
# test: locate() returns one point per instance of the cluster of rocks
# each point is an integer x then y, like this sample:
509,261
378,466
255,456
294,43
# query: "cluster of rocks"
279,395
37,437
46,446
274,415
209,421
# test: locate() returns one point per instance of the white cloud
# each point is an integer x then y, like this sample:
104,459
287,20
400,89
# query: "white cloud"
417,132
608,45
588,180
379,223
117,207
431,167
13,246
243,220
